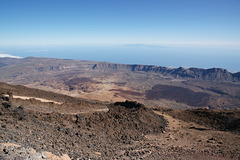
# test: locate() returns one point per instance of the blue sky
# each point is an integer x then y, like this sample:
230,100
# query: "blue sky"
186,26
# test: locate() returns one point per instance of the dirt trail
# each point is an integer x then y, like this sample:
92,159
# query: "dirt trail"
192,136
39,99
91,111
72,109
178,134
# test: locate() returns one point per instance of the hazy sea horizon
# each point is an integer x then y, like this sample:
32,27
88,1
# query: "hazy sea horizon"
167,56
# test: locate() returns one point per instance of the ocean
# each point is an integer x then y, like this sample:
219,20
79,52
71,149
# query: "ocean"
168,56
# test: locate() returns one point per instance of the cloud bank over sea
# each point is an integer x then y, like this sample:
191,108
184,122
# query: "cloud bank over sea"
8,55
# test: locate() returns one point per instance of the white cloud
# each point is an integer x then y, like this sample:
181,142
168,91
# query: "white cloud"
8,55
35,51
199,43
139,45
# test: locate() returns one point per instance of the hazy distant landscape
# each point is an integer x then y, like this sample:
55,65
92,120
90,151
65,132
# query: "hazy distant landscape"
103,81
119,79
169,55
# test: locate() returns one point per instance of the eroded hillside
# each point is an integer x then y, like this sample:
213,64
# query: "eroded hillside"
108,82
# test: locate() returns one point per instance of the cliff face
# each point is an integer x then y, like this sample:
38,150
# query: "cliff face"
213,74
237,75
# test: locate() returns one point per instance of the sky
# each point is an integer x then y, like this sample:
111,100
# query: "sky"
189,33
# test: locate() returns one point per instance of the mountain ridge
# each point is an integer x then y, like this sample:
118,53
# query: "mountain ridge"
211,74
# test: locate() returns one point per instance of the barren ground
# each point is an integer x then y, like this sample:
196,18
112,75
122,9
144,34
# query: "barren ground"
116,132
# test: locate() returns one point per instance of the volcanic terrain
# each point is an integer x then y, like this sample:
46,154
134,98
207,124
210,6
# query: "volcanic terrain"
49,125
71,109
108,82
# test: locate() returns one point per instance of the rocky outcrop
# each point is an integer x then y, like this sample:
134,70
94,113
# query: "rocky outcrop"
237,76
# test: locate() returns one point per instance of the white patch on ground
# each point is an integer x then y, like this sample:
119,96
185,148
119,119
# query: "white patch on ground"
15,151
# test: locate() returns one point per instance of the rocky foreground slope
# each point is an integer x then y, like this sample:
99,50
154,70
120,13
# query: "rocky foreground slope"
128,130
118,132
